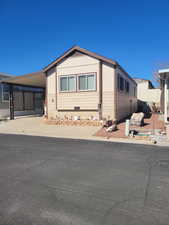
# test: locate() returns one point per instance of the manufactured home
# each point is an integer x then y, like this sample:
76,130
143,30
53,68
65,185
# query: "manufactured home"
86,85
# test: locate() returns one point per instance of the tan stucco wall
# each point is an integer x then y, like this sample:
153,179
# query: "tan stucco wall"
146,94
126,102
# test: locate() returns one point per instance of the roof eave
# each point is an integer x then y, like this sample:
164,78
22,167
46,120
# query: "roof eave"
82,50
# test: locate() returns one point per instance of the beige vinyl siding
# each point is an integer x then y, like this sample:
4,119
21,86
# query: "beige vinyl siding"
51,93
84,100
126,105
87,100
108,107
78,64
126,102
77,60
115,104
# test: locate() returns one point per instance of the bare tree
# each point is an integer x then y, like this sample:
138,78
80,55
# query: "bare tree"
156,77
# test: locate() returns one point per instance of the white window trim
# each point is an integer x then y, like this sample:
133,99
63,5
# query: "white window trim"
67,76
86,75
3,100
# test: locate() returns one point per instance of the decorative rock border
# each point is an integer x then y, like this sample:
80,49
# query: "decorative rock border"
74,122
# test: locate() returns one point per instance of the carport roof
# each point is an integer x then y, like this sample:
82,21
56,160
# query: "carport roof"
36,79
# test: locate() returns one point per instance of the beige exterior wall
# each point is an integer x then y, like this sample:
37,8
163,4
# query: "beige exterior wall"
115,105
51,93
148,95
108,106
78,64
63,105
126,102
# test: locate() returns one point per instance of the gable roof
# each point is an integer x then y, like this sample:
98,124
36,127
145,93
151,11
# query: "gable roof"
89,53
81,50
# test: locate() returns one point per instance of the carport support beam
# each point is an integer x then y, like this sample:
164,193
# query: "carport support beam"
11,102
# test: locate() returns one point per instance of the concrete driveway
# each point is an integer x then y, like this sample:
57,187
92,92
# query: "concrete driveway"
49,181
36,126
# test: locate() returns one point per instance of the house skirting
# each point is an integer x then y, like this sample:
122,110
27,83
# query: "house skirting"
70,114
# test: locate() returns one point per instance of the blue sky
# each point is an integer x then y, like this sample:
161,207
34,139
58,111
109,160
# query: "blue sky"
134,33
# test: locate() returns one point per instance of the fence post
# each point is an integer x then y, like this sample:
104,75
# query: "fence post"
127,128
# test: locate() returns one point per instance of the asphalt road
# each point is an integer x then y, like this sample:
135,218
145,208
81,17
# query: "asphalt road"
48,181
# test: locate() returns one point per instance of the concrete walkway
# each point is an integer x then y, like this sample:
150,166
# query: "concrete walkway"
36,126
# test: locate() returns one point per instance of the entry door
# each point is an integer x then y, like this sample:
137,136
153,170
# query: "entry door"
28,101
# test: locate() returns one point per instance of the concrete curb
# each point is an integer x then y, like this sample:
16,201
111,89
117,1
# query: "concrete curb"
91,138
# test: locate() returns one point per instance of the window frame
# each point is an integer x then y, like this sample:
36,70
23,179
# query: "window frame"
122,84
118,82
67,76
3,92
77,82
135,92
127,86
87,75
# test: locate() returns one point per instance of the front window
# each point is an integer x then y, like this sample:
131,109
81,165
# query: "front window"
127,86
121,83
134,92
5,92
67,83
87,82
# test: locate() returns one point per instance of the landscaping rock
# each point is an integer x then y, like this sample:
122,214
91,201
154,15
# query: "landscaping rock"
108,123
137,119
112,128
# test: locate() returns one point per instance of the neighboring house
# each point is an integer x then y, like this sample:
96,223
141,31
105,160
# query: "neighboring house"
146,92
22,95
82,83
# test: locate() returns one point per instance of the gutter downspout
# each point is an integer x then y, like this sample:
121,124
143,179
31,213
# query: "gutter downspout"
100,90
56,86
115,93
46,96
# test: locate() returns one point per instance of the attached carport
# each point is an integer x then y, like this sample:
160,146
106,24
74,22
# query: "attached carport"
26,93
